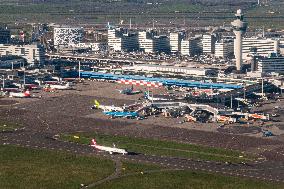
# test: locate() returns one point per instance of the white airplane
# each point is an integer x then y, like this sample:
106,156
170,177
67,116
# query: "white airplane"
97,105
259,116
25,94
111,150
59,86
111,108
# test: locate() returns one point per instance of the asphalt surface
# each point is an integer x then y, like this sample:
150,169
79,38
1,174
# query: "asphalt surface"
269,171
67,112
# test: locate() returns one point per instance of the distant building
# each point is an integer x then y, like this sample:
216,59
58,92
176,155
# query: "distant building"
175,41
150,42
208,43
66,36
146,43
5,36
121,40
161,44
264,46
281,46
34,54
11,62
161,69
224,48
273,63
191,46
254,57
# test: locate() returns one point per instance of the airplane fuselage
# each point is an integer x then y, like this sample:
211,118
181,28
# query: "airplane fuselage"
19,95
110,149
59,87
110,108
122,114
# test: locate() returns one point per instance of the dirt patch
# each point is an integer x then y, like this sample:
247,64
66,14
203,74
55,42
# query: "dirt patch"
4,102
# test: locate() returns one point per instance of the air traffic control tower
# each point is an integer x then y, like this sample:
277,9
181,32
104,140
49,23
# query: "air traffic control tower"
239,27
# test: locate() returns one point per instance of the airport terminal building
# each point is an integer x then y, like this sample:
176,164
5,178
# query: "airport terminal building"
161,69
264,46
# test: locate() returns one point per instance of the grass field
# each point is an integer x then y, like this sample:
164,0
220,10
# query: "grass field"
180,7
270,16
193,13
23,168
184,180
158,147
33,169
8,126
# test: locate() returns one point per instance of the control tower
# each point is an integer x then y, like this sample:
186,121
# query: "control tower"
239,27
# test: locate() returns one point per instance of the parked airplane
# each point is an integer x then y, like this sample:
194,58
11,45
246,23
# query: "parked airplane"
225,119
112,108
158,97
31,86
129,91
25,94
111,150
245,101
259,116
261,95
27,86
59,86
114,114
10,89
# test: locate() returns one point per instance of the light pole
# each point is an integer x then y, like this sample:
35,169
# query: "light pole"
231,101
238,100
244,91
3,77
24,77
79,70
262,87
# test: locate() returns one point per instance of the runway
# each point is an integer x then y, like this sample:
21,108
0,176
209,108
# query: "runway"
268,171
